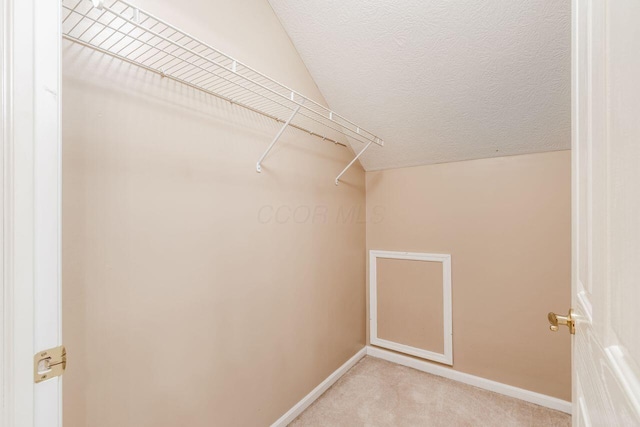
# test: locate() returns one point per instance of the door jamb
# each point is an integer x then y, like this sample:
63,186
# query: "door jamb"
30,174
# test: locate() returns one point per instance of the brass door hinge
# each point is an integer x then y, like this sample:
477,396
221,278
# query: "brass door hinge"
49,364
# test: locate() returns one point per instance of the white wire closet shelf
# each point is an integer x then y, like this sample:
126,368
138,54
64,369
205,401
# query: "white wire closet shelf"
122,30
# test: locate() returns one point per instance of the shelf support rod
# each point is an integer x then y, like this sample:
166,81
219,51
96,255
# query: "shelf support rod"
284,126
353,161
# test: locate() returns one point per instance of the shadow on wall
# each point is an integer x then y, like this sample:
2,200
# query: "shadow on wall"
165,258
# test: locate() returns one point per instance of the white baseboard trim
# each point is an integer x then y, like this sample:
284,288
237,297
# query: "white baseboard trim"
306,401
507,390
424,366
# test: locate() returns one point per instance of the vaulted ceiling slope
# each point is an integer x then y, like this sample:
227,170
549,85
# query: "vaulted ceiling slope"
441,81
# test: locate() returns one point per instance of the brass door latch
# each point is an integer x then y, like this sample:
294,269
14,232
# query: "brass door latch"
49,364
555,320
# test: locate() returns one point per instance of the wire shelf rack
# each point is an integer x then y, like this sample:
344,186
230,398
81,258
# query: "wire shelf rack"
122,30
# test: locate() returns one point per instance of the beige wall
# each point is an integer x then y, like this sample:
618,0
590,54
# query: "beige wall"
506,223
197,292
410,309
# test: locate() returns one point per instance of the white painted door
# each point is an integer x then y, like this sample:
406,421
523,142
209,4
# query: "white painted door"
606,212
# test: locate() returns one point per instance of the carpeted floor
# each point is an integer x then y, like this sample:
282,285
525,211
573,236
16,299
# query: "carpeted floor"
379,393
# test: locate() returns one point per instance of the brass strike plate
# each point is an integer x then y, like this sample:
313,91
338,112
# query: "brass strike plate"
49,364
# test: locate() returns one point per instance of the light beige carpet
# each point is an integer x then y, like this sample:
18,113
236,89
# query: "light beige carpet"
379,393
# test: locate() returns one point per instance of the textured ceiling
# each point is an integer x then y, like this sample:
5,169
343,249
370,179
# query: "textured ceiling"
440,81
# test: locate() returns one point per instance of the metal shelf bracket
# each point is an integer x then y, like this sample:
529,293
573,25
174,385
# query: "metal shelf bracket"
353,161
284,126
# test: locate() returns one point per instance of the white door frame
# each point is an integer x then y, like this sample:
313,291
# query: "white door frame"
31,189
